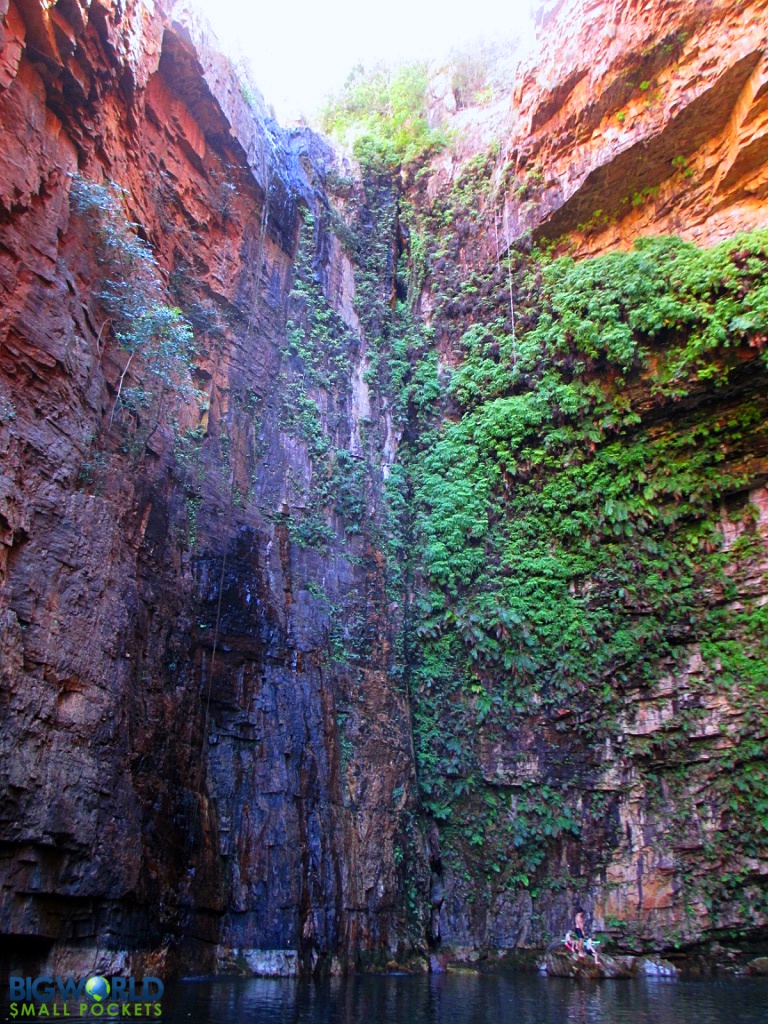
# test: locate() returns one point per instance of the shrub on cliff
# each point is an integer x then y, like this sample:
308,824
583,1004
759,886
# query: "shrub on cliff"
131,291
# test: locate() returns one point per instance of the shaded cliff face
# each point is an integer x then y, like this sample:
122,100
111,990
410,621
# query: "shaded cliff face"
249,530
203,748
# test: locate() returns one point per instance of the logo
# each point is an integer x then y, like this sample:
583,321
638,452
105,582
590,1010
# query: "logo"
92,996
97,988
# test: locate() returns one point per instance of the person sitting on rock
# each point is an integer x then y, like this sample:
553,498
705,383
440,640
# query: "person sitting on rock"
582,944
578,931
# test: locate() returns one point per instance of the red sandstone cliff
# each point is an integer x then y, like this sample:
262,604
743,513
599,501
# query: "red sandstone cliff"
641,118
628,119
193,761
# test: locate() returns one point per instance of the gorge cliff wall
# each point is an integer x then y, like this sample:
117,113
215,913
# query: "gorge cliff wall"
630,120
213,629
201,754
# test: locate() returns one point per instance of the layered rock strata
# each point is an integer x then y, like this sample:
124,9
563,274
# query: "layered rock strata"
204,757
637,119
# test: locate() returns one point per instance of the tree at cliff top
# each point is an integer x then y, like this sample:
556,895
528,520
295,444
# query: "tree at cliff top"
382,114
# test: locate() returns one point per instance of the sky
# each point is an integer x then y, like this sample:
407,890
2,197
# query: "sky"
301,51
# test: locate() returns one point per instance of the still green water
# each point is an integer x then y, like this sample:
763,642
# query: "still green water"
466,998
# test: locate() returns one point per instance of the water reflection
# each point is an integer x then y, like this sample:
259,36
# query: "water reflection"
467,998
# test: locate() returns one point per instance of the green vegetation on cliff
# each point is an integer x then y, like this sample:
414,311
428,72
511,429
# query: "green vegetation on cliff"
133,294
317,371
583,537
573,550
